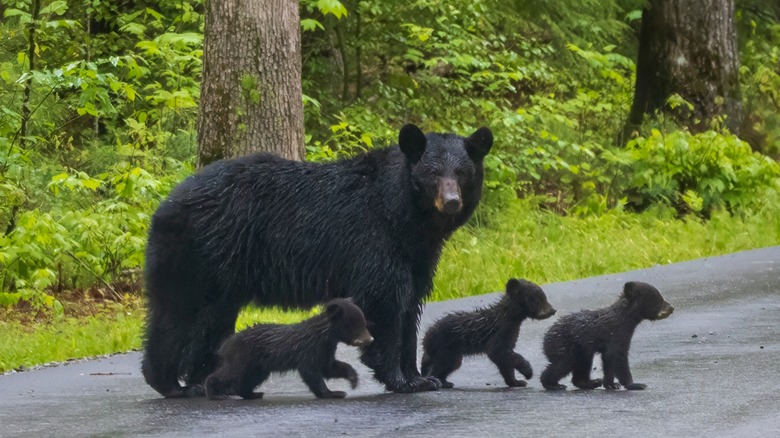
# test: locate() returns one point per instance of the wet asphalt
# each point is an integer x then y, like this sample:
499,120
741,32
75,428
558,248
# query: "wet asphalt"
712,369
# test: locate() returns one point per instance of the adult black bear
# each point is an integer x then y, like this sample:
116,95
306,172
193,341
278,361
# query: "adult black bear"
247,358
573,340
296,234
492,331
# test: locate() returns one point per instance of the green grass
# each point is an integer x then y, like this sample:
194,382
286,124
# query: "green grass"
65,338
517,241
253,315
114,329
544,248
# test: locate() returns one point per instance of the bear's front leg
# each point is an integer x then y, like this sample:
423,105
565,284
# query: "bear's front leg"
608,363
314,379
522,365
505,360
409,354
342,370
616,365
623,373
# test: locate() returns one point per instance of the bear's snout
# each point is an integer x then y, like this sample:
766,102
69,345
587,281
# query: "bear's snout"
362,340
546,313
448,200
666,310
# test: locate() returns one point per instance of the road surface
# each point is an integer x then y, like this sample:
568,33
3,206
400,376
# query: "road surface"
712,369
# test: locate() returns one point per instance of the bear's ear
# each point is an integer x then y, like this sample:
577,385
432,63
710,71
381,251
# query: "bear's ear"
412,142
630,291
334,310
479,143
513,287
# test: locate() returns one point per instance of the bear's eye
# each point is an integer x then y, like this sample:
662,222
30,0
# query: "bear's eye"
462,173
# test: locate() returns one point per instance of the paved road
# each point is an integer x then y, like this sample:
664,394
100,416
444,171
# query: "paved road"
713,369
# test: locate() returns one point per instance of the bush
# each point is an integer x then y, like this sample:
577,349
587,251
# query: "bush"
86,231
699,172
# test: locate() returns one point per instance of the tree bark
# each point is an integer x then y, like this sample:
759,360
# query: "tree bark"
251,95
688,47
31,42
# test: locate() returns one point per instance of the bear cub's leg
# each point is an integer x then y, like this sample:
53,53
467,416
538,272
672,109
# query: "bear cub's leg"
315,380
554,372
441,365
616,365
581,374
341,370
507,362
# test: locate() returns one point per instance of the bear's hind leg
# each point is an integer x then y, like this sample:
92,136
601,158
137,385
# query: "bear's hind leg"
581,373
554,372
162,355
216,387
443,364
211,327
245,388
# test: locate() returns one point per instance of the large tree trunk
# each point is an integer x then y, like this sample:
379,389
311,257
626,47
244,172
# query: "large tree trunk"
688,47
251,97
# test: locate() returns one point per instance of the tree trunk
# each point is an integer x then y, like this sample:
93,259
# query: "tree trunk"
251,96
688,47
31,44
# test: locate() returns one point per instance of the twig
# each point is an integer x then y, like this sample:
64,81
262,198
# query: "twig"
116,294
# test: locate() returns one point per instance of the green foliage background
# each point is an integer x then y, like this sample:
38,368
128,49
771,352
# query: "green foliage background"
98,108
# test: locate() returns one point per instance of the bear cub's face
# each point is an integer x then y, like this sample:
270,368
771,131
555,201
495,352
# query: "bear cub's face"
647,300
530,297
446,167
348,321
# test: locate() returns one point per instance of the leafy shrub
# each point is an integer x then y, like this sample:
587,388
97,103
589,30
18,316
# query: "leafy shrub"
93,232
699,172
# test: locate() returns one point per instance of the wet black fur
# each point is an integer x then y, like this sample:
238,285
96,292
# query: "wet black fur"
492,331
573,340
247,358
296,234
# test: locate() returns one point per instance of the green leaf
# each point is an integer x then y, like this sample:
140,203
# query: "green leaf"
332,7
636,14
21,59
157,16
136,29
15,13
310,24
57,7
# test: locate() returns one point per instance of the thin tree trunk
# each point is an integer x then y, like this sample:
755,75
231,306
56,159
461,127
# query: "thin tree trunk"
688,47
358,55
344,63
251,96
26,113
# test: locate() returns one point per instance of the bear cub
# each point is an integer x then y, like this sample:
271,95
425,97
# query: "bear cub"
572,341
492,331
247,358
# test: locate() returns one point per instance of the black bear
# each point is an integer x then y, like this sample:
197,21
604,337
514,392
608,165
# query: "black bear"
247,358
572,341
278,232
492,331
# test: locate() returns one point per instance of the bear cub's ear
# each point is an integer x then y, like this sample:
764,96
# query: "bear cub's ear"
631,291
412,142
513,287
334,310
479,143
